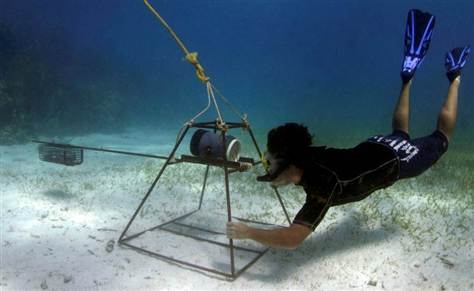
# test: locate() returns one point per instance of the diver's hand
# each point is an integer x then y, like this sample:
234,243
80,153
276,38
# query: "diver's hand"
237,230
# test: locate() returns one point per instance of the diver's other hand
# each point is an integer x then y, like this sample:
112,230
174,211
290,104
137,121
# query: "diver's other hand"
237,230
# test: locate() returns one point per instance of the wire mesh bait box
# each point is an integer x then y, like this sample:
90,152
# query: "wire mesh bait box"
61,154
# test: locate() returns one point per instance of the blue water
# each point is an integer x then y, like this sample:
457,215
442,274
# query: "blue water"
333,65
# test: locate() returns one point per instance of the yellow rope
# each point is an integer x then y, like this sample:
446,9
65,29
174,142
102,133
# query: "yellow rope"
190,57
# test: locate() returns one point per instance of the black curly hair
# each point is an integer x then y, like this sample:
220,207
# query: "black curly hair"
289,141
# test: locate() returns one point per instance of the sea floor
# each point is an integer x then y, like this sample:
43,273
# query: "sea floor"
60,226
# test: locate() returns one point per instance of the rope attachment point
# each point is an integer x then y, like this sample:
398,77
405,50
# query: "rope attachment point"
193,59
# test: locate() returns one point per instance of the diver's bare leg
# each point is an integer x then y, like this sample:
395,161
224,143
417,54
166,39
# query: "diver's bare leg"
401,113
448,113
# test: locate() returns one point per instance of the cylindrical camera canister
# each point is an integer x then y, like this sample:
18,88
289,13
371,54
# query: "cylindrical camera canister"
207,144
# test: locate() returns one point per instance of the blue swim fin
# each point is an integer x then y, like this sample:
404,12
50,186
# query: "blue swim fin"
418,34
455,61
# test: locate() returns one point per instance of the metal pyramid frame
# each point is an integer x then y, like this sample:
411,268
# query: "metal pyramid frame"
229,168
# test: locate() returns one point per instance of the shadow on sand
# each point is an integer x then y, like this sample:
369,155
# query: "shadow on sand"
342,236
58,194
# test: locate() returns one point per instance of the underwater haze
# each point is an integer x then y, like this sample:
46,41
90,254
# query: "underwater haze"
333,65
107,73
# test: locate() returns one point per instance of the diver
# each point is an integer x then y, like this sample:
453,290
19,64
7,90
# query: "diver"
331,176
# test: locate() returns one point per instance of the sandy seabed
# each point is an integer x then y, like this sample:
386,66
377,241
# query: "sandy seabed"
60,226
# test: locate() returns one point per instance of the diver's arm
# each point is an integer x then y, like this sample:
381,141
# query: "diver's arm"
283,238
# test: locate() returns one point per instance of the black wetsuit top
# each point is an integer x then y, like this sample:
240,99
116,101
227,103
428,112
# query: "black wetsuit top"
337,176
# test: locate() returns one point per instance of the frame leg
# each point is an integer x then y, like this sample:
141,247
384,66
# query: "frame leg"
154,183
229,210
282,205
203,186
229,219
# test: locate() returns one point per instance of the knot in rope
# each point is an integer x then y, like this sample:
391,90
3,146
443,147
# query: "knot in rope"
193,59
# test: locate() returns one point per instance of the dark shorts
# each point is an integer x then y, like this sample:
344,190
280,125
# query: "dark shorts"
416,155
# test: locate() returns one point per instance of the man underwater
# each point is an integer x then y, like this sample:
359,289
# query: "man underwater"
332,177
